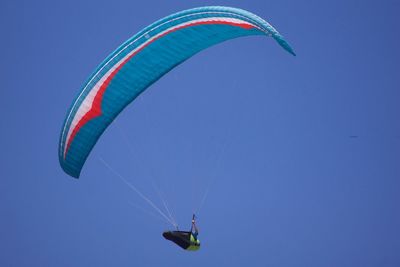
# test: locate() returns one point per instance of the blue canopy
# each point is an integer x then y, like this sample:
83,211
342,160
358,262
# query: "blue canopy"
141,61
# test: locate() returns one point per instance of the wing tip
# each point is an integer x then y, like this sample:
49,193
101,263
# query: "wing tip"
284,44
74,173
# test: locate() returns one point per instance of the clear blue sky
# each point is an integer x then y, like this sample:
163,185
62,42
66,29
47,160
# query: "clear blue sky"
292,187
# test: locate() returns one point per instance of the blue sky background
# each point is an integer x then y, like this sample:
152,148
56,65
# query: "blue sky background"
271,132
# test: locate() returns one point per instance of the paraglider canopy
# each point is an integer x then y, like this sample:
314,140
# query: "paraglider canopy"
140,62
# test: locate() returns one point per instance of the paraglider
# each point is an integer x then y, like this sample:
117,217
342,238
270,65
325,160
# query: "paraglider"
141,61
138,63
185,239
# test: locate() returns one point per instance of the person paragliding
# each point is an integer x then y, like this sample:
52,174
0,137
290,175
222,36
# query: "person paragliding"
185,239
194,227
136,65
